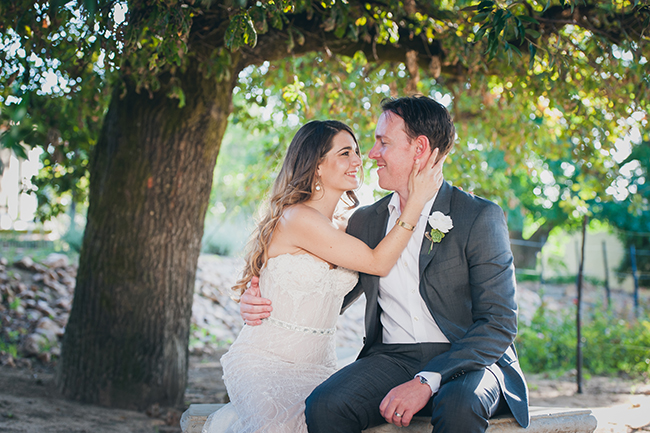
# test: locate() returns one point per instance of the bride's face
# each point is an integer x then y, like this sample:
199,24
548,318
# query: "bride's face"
339,169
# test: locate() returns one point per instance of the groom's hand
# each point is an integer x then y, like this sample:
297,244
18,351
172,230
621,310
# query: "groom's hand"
405,400
252,307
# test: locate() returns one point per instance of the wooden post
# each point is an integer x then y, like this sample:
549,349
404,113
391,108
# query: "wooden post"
636,280
579,307
607,290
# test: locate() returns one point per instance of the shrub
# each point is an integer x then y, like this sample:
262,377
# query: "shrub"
610,346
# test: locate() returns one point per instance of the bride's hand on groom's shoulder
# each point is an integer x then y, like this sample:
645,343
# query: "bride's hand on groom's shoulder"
252,307
341,221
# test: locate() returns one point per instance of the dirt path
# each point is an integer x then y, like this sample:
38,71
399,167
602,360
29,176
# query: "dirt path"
29,402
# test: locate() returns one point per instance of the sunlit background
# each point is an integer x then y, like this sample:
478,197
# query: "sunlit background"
232,210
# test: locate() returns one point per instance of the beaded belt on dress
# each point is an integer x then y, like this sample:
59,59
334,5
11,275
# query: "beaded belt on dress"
292,327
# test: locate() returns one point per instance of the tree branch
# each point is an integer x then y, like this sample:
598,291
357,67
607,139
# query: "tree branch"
273,45
612,26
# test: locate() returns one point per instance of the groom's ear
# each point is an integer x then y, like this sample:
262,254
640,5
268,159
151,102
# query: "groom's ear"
422,147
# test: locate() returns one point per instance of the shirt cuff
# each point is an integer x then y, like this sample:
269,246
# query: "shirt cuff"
433,380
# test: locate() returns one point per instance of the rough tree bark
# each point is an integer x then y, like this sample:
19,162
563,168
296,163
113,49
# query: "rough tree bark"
126,342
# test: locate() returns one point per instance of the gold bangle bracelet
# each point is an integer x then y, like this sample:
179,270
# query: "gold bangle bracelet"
407,226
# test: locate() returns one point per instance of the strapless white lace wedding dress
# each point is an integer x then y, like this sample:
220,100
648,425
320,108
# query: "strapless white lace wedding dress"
271,369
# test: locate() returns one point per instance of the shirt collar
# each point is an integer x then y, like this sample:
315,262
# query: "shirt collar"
394,206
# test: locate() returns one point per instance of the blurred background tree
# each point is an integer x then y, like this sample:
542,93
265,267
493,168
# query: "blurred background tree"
131,102
630,213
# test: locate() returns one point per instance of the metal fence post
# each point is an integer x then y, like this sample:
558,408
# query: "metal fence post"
636,280
607,289
579,306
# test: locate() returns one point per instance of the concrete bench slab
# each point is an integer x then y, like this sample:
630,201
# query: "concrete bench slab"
542,420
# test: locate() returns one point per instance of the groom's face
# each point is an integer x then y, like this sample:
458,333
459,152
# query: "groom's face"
394,153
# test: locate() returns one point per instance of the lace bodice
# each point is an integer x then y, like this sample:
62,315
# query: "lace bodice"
305,291
271,368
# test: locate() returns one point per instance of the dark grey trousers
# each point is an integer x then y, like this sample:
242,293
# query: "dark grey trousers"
348,402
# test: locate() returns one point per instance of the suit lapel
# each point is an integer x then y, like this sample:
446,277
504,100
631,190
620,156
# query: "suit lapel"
441,204
376,232
377,226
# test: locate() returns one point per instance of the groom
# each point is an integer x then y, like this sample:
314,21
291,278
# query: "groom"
440,326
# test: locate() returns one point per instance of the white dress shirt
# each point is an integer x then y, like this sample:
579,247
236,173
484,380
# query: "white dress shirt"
405,317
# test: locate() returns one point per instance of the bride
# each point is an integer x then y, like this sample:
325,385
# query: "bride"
305,264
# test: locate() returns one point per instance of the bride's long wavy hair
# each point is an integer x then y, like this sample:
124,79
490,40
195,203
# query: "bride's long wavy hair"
295,184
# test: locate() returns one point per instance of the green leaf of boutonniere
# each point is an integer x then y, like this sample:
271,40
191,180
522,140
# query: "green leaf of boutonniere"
435,236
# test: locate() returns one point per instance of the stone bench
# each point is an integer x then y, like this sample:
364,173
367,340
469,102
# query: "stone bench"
542,420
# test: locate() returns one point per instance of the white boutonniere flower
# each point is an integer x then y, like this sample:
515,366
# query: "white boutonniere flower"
440,224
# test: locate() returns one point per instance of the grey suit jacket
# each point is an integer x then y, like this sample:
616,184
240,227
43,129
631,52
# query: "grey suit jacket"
468,283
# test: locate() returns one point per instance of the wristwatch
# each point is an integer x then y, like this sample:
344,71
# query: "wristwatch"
424,381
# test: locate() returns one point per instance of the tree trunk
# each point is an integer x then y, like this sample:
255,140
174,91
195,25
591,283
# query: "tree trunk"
126,342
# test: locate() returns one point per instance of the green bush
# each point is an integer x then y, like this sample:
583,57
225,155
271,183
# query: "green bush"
610,345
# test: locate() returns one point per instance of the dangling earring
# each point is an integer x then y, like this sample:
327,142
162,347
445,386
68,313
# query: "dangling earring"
318,188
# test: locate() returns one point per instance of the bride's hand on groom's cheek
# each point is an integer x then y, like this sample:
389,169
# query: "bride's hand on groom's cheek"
252,307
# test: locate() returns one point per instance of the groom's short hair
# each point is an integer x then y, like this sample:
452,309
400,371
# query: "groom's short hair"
424,116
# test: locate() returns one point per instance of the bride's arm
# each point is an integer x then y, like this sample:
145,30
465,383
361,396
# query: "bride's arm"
311,231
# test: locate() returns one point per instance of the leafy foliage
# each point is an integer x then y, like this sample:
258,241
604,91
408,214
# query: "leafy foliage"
611,346
542,92
54,93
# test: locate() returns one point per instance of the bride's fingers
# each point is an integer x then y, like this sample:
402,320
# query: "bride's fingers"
423,166
434,163
433,158
416,167
436,168
415,171
430,166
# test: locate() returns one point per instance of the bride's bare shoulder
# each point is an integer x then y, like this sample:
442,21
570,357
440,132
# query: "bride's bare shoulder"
299,211
301,216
